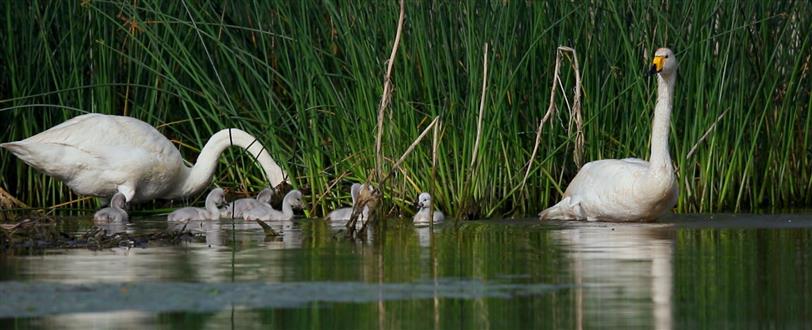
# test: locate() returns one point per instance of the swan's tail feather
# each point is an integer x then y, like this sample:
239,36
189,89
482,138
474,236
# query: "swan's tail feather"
551,213
30,153
15,148
563,210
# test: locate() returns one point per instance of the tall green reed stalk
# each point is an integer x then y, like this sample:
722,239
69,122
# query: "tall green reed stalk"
305,78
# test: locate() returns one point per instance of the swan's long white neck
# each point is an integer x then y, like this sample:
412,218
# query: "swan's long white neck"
660,157
195,179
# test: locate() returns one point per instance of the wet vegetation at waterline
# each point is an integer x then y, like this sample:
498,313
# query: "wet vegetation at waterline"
43,232
307,79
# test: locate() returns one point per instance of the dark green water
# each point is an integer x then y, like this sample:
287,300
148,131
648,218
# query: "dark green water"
687,272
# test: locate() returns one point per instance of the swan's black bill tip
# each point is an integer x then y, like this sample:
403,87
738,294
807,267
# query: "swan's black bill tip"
651,71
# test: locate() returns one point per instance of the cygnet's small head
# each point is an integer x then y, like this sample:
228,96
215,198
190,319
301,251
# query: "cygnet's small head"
424,200
294,198
217,195
664,62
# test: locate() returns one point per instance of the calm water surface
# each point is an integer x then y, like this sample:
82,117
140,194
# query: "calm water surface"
685,272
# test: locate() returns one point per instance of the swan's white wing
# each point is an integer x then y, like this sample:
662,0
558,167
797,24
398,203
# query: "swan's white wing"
91,131
609,189
96,154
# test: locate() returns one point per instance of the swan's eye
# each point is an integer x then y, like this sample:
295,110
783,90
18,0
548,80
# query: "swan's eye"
666,56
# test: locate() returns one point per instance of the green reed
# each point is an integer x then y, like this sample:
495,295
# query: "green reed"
306,79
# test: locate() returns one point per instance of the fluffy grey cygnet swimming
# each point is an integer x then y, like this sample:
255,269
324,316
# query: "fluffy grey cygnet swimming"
235,209
114,213
211,212
424,205
267,213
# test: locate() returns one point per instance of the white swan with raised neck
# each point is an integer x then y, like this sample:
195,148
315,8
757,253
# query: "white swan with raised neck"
629,189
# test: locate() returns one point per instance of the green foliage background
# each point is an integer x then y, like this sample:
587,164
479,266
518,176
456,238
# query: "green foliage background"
306,78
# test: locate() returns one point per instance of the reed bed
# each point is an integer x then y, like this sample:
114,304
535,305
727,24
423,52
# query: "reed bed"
305,77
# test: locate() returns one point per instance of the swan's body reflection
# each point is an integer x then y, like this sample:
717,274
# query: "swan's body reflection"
217,233
424,236
620,266
101,320
208,228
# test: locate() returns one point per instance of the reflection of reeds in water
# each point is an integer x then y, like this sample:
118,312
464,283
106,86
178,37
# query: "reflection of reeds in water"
305,77
623,274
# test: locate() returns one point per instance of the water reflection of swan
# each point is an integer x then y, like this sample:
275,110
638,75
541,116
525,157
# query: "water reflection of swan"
628,189
100,155
290,235
101,320
621,270
424,236
210,229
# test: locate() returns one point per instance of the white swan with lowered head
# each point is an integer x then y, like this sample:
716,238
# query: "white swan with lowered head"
215,197
268,213
424,204
235,209
629,189
114,213
100,155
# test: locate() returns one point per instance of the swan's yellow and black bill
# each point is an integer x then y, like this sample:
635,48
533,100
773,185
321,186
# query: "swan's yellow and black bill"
656,65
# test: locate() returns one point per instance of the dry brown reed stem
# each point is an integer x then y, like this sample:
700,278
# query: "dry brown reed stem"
575,111
367,196
481,106
410,149
704,136
7,201
387,92
267,229
434,144
73,201
475,150
550,111
329,187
